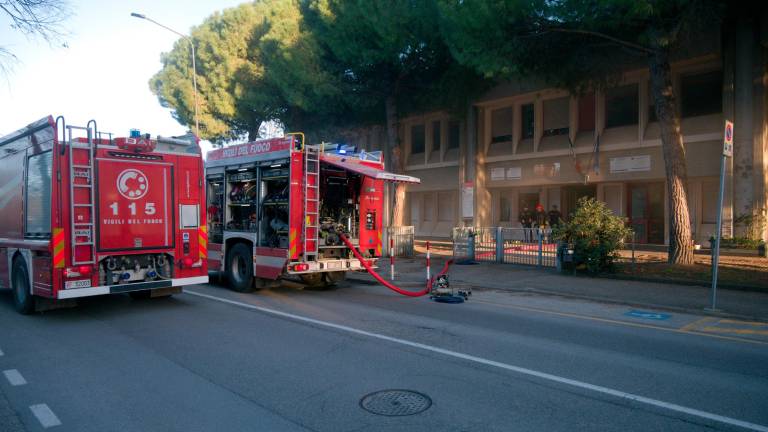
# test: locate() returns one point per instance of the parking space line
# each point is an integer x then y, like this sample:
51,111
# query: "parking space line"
695,324
45,415
487,362
14,377
735,331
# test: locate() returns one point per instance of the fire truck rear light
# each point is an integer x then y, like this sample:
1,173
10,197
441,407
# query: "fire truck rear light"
84,270
71,272
187,262
301,267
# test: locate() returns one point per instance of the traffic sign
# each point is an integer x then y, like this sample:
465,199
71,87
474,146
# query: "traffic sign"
728,139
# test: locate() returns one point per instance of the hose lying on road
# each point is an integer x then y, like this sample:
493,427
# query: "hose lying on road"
393,287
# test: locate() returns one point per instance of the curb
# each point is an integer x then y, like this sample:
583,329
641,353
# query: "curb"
731,287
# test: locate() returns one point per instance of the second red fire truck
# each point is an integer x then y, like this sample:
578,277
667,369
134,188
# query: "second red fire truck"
277,207
84,214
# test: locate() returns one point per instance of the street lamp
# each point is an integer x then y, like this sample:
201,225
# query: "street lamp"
194,68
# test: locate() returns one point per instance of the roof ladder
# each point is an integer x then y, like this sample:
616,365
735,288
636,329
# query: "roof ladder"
82,197
311,203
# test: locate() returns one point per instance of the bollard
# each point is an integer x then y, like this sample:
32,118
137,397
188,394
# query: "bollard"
471,246
499,245
541,246
428,274
392,258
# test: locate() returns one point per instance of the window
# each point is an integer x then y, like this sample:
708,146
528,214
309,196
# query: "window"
651,106
436,136
454,134
429,207
556,116
526,123
587,112
505,209
190,216
709,194
37,212
501,125
701,94
445,210
417,139
621,106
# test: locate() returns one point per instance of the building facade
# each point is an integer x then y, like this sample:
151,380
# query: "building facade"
523,144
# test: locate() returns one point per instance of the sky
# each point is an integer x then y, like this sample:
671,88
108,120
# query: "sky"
104,70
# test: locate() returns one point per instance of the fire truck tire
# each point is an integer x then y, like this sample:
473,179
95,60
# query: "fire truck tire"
23,300
332,278
240,268
313,280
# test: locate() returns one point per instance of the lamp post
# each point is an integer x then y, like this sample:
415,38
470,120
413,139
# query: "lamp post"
194,68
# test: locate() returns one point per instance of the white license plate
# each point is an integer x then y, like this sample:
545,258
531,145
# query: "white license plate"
85,283
333,265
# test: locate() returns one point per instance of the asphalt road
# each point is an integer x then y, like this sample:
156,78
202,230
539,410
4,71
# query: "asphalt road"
289,359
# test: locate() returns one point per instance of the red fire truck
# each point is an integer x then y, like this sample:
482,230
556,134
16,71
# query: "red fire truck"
84,214
277,207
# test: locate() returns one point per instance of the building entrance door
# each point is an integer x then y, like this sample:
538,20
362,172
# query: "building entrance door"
646,212
571,195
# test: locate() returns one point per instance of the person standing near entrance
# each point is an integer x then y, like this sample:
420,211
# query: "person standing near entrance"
526,220
541,217
554,216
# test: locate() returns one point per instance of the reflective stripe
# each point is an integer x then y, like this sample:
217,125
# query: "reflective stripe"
58,247
202,241
292,244
378,244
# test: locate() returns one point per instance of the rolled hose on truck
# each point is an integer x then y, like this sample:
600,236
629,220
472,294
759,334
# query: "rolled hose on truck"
389,285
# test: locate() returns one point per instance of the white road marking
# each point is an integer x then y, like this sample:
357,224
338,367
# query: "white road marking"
45,416
525,371
14,377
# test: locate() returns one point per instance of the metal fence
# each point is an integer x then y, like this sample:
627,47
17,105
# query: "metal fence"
529,246
403,241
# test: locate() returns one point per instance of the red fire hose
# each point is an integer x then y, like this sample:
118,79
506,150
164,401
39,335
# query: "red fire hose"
381,280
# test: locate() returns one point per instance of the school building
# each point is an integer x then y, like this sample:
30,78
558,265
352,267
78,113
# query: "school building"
523,143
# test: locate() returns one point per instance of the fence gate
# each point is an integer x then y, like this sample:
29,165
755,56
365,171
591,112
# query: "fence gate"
403,238
529,246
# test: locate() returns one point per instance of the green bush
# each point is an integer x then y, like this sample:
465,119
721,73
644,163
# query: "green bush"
595,234
738,242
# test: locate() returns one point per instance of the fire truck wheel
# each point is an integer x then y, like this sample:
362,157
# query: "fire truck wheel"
240,268
313,280
22,298
332,278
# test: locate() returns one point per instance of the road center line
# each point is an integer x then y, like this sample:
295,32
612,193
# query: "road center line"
45,416
14,377
521,370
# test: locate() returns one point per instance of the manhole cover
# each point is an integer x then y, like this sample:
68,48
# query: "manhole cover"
396,402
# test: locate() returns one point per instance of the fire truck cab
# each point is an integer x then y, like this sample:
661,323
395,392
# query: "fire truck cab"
277,207
84,214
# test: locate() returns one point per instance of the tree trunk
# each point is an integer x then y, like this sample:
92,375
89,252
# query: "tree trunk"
393,143
680,242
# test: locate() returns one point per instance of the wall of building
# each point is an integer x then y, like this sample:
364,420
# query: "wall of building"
523,140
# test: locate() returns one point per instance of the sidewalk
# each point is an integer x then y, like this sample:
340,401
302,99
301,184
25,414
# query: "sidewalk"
509,277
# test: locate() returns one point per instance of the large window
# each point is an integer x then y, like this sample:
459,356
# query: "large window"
527,121
505,209
556,116
501,125
587,112
417,139
445,208
429,207
621,105
38,195
701,94
454,134
436,136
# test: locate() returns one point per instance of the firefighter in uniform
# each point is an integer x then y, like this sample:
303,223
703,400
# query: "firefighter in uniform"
554,216
526,220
